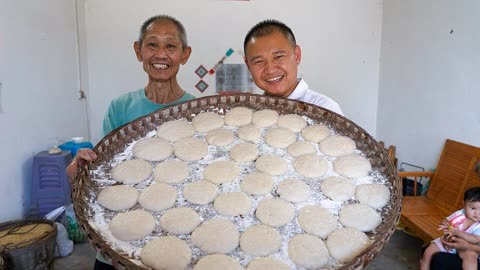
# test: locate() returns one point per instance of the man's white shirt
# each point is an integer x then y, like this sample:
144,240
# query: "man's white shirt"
303,93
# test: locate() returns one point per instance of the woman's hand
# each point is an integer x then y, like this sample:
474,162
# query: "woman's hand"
456,232
458,243
83,155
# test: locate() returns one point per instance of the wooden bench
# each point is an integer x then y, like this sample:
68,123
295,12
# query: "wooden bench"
457,170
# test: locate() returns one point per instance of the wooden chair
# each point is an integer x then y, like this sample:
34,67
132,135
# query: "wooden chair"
454,174
391,152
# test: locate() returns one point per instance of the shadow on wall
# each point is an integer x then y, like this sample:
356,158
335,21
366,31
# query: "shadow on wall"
27,175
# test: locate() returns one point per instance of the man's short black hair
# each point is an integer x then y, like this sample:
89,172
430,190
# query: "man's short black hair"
472,195
164,18
267,27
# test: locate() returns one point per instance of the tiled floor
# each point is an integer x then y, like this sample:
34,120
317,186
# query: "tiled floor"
402,252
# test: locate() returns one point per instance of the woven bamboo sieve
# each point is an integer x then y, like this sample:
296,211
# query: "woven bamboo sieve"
116,141
32,244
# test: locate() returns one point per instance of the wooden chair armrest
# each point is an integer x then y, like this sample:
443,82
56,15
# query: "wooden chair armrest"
414,174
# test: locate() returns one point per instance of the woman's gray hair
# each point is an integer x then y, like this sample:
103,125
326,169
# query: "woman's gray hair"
164,18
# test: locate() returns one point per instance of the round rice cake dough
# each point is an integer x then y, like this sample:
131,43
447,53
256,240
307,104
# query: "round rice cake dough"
200,192
180,220
317,220
132,225
166,252
359,216
119,197
265,118
352,166
244,152
171,172
152,149
232,204
293,190
308,251
315,133
206,121
238,116
271,164
190,149
293,122
337,188
218,262
267,264
175,130
336,146
132,171
346,244
279,137
220,137
158,197
310,165
301,148
249,133
257,184
216,236
220,172
260,240
275,212
373,195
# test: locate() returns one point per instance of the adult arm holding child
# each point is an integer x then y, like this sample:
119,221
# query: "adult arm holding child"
449,261
458,248
463,239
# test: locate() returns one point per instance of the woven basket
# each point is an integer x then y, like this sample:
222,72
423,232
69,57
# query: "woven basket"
116,141
36,253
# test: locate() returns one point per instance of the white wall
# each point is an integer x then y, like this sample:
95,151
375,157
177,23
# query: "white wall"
340,42
428,83
39,102
430,77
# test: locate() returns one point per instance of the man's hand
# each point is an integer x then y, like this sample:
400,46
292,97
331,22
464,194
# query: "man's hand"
83,155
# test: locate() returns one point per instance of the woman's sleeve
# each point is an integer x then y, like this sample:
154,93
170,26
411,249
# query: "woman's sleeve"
109,120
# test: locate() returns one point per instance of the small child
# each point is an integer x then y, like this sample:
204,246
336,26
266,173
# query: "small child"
465,224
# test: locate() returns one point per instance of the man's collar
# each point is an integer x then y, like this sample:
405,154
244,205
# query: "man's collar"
299,90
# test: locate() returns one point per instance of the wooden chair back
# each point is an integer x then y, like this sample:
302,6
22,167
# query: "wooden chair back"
450,178
391,152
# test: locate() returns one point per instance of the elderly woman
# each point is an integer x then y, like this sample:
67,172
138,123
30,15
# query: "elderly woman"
161,48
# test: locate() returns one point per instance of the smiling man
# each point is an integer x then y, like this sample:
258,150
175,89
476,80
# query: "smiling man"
272,56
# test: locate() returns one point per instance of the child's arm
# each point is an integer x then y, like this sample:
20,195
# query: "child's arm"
474,239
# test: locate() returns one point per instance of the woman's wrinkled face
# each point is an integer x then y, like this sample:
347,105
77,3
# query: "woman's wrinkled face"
161,51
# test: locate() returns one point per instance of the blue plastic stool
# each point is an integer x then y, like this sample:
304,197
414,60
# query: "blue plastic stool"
50,185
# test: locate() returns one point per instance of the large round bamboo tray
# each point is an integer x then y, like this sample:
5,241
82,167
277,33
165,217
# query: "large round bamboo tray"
116,141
